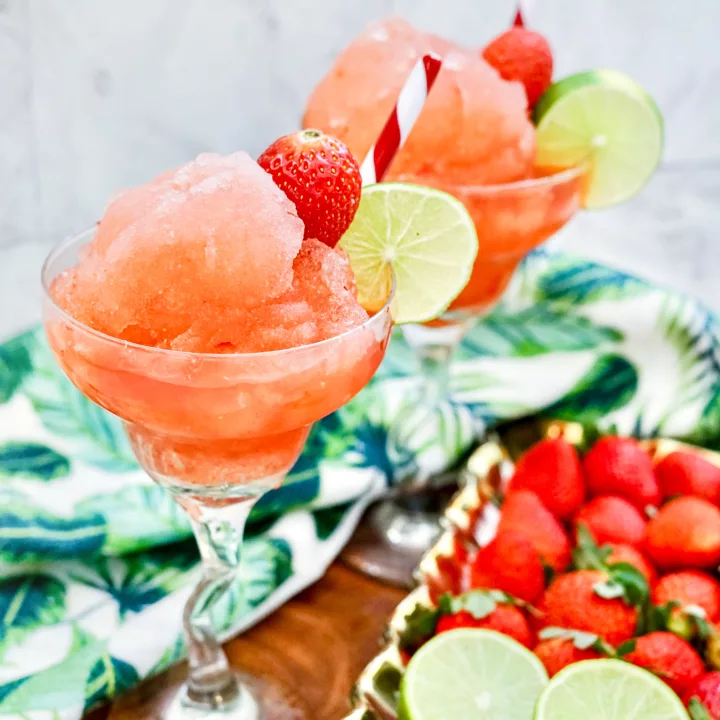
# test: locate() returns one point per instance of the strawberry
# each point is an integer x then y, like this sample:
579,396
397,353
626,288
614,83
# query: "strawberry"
573,601
509,563
609,518
587,555
551,469
684,473
506,619
695,593
524,513
671,658
685,533
620,553
705,691
620,466
523,55
557,653
320,175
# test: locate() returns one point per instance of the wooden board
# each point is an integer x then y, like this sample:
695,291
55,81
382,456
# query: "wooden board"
312,649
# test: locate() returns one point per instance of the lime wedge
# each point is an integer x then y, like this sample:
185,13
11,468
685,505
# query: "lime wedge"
473,675
604,118
608,690
428,239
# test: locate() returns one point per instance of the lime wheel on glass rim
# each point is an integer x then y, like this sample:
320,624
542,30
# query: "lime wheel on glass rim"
604,119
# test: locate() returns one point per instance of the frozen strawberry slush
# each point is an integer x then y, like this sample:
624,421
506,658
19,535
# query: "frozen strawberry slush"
473,139
209,259
473,128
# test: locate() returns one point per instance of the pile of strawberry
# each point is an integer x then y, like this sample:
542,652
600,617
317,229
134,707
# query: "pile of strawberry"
610,554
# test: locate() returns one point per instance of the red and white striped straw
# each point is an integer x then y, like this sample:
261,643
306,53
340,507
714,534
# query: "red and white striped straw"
524,8
409,104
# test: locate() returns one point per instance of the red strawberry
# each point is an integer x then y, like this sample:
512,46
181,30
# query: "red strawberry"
524,513
689,587
620,466
551,469
509,563
506,619
321,176
557,653
613,519
572,602
684,473
685,534
522,55
671,658
707,691
628,554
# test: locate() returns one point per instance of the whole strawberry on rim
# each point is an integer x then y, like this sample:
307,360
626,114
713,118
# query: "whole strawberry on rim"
321,177
523,55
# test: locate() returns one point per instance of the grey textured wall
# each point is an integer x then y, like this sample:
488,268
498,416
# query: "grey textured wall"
100,94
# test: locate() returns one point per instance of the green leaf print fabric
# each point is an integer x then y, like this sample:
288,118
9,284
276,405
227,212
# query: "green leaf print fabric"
97,561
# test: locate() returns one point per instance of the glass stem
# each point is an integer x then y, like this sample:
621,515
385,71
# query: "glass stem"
434,347
219,533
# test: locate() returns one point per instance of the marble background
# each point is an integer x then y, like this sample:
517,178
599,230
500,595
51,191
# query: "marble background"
96,95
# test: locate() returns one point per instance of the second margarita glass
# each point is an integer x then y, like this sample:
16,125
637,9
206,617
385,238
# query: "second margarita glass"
511,220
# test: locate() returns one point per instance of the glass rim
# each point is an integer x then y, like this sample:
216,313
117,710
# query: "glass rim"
554,178
128,345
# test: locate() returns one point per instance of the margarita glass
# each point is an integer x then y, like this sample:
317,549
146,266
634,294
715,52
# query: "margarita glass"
218,431
474,140
511,219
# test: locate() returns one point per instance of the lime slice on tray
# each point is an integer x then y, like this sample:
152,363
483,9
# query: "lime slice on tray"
428,239
608,690
473,675
606,119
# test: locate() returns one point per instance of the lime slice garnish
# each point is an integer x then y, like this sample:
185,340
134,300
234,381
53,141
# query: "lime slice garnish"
428,239
604,118
608,690
473,675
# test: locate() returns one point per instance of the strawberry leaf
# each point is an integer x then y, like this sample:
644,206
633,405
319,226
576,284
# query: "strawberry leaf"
659,616
548,572
586,554
609,590
697,710
500,596
700,625
420,625
626,582
445,604
626,648
549,633
633,582
581,640
479,603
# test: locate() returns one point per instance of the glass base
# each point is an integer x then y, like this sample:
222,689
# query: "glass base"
250,699
393,537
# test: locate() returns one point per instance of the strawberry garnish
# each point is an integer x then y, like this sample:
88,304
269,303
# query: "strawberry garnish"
523,55
321,177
